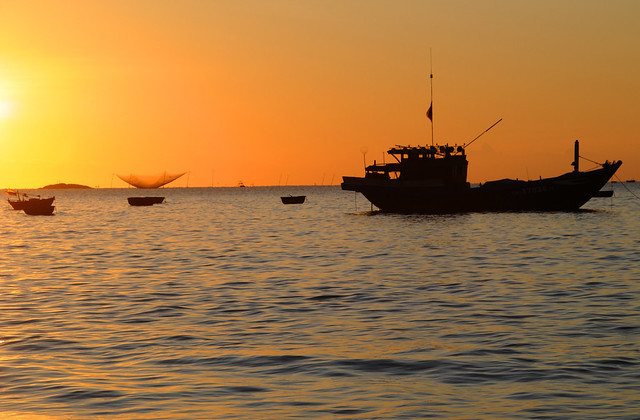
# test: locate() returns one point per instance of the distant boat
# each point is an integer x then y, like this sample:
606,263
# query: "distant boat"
23,201
293,199
31,204
630,180
39,209
144,201
148,182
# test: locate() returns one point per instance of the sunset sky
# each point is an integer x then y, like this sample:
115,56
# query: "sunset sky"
274,92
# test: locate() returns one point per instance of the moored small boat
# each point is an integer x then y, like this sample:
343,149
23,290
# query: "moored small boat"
39,210
144,201
293,199
33,205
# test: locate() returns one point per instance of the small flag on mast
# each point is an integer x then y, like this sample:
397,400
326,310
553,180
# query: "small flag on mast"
430,112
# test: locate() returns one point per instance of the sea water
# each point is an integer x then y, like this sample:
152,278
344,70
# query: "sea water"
223,303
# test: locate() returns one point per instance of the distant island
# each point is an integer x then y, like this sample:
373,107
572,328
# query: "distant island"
63,186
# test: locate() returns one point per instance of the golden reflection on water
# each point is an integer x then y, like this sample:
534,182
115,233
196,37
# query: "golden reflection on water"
248,309
9,415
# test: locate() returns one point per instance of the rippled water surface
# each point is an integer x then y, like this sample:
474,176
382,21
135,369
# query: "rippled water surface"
225,303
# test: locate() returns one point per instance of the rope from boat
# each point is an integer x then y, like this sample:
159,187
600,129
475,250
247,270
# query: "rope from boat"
592,161
621,181
625,186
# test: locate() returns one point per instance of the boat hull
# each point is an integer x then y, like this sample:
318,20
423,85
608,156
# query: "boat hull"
567,192
144,201
21,203
39,210
293,199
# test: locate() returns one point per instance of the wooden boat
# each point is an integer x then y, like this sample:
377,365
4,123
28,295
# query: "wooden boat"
39,210
293,199
434,180
144,201
32,204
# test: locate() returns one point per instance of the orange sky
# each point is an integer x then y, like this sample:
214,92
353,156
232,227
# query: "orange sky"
275,92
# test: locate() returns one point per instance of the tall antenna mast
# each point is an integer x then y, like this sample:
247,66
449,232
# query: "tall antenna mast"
430,110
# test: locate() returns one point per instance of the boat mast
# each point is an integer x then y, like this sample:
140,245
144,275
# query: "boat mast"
430,110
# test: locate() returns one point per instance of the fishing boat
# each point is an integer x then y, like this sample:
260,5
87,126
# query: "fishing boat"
31,204
148,182
144,201
434,180
39,209
293,199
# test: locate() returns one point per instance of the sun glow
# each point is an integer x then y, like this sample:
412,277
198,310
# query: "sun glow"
288,92
6,108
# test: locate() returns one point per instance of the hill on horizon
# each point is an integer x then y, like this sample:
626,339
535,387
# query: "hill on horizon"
63,186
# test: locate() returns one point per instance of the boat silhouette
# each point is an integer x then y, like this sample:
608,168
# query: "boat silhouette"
144,201
32,205
293,199
434,180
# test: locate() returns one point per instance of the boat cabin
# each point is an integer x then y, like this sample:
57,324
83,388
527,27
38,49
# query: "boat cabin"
443,165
